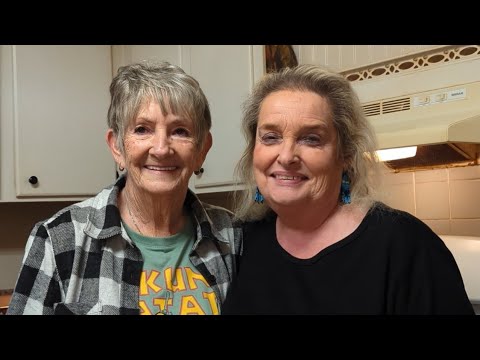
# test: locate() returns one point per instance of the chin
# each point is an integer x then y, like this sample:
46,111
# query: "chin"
287,201
164,187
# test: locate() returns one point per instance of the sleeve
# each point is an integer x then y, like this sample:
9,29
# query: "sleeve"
445,283
432,283
38,286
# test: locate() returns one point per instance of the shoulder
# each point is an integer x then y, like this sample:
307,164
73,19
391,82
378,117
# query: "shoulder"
68,225
217,212
64,223
80,212
77,213
208,213
402,228
258,226
221,220
385,216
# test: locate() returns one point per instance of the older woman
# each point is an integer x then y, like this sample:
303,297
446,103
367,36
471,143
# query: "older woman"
146,244
317,242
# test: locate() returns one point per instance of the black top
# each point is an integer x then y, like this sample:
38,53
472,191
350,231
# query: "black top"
391,264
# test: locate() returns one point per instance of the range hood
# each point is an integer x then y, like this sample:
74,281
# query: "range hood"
439,116
435,107
444,124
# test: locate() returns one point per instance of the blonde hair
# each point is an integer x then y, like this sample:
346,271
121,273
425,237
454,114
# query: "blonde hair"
356,139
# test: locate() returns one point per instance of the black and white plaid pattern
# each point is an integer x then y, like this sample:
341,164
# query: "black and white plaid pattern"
82,261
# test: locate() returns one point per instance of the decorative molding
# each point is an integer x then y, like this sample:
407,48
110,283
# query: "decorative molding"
414,62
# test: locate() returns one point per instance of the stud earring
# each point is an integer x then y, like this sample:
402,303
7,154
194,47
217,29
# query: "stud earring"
345,189
121,168
258,197
199,171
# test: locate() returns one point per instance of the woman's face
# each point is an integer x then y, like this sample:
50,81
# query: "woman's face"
295,155
160,151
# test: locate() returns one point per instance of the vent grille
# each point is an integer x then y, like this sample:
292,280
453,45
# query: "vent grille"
372,109
386,107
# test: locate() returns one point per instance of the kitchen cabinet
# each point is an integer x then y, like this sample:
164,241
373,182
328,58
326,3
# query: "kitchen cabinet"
53,119
226,74
347,57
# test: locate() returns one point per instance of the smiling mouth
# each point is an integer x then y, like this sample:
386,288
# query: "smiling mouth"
161,168
289,178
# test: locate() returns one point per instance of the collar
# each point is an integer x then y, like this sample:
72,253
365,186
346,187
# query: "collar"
104,219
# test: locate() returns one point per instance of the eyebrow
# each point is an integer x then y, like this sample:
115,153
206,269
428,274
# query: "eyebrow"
179,120
316,127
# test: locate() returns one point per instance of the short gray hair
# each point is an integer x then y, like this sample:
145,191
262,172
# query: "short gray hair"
356,139
166,84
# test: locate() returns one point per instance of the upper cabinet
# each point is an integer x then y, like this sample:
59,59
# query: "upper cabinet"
346,57
54,103
226,74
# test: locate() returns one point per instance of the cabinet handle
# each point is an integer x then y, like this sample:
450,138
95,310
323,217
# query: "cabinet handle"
33,180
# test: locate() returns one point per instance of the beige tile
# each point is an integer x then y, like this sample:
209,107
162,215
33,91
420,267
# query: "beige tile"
465,199
440,227
400,197
398,178
431,175
432,200
468,227
467,172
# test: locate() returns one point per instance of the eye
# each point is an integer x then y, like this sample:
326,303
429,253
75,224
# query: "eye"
270,138
181,132
140,130
311,139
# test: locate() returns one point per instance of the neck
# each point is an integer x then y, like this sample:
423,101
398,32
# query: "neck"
153,216
306,217
305,235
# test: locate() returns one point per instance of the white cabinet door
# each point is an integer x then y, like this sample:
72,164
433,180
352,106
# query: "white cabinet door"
60,103
226,74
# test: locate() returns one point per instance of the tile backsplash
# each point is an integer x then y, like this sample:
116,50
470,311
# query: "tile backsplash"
447,200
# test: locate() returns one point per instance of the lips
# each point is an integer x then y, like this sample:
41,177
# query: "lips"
161,168
284,177
288,176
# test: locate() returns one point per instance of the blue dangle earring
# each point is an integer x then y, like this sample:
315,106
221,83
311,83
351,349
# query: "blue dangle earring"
345,189
258,197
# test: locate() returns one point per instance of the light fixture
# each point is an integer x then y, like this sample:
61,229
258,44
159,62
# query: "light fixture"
396,153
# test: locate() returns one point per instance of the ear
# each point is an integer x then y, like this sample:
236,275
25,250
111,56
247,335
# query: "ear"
112,144
207,144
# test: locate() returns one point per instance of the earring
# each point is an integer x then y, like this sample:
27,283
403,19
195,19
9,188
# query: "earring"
199,171
121,168
345,189
258,197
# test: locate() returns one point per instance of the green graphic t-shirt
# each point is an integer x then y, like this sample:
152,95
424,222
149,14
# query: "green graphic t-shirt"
170,284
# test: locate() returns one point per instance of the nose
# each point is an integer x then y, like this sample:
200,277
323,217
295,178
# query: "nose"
160,144
288,153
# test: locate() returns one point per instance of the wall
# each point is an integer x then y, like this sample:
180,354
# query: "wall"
16,222
448,200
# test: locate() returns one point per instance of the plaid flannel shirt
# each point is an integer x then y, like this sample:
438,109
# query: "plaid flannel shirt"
82,261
